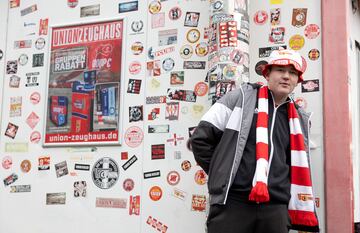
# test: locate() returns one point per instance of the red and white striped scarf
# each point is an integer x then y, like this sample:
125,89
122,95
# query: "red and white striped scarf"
301,205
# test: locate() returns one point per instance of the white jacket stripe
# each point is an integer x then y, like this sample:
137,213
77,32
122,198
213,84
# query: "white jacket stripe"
218,115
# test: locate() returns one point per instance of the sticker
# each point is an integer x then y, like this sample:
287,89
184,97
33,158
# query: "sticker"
276,2
158,151
191,19
201,89
55,198
177,155
177,77
137,48
296,42
314,54
133,136
11,130
35,137
91,10
304,64
193,35
237,57
265,52
179,194
128,185
228,34
310,85
156,224
151,174
135,113
72,3
299,17
201,49
134,206
14,3
158,129
28,10
40,43
43,26
301,102
156,99
15,106
128,6
134,86
20,188
277,35
173,178
164,51
260,17
154,7
82,167
11,67
157,20
137,26
124,155
105,173
186,165
80,188
175,13
200,177
111,203
130,162
44,163
10,179
7,162
38,60
135,67
231,71
32,120
167,37
32,79
186,51
198,203
25,166
197,111
217,6
168,64
194,65
275,16
154,114
312,31
155,193
23,59
22,44
181,95
61,169
172,111
35,97
14,81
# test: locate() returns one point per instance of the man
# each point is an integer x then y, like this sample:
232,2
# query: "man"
254,145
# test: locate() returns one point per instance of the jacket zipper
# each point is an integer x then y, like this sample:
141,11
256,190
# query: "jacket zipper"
232,167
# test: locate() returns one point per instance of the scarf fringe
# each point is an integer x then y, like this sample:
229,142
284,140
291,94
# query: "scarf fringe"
305,218
259,193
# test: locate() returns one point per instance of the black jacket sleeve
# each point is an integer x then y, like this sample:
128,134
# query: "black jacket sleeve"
203,142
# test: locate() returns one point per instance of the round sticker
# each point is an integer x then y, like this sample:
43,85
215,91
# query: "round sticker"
237,57
135,67
314,54
175,13
137,48
137,26
168,64
1,54
259,67
230,71
151,55
186,165
35,97
201,88
193,35
7,162
155,193
40,43
128,185
105,173
72,3
201,49
200,177
304,64
133,136
186,51
217,5
261,17
35,137
301,102
296,42
23,59
25,166
154,7
312,31
173,178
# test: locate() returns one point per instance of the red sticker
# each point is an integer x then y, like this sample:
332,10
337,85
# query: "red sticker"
35,98
155,193
128,185
173,178
35,137
7,162
134,136
135,67
200,177
201,88
312,31
261,17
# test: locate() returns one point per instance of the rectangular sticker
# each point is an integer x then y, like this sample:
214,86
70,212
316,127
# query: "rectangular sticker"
130,162
90,10
111,202
194,65
128,6
167,37
61,169
55,198
28,10
152,174
20,188
82,167
158,128
158,151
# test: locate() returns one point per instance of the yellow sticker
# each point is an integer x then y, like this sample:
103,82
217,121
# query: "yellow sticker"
273,2
296,42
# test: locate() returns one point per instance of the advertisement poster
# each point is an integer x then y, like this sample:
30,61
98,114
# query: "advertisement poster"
83,98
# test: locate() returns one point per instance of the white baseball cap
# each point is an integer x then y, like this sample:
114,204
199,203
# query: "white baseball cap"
284,57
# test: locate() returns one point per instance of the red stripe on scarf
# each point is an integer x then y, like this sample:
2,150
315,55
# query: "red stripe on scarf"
300,176
306,218
263,93
262,120
297,142
262,151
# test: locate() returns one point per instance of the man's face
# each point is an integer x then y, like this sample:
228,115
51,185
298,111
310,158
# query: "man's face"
282,80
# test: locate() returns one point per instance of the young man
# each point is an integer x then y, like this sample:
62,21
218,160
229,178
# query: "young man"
254,145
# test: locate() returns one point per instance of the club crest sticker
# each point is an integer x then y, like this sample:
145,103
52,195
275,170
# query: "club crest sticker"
105,173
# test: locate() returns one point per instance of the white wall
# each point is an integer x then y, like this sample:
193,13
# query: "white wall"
354,35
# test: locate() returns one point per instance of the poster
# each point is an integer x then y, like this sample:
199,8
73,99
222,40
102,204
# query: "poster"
84,86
